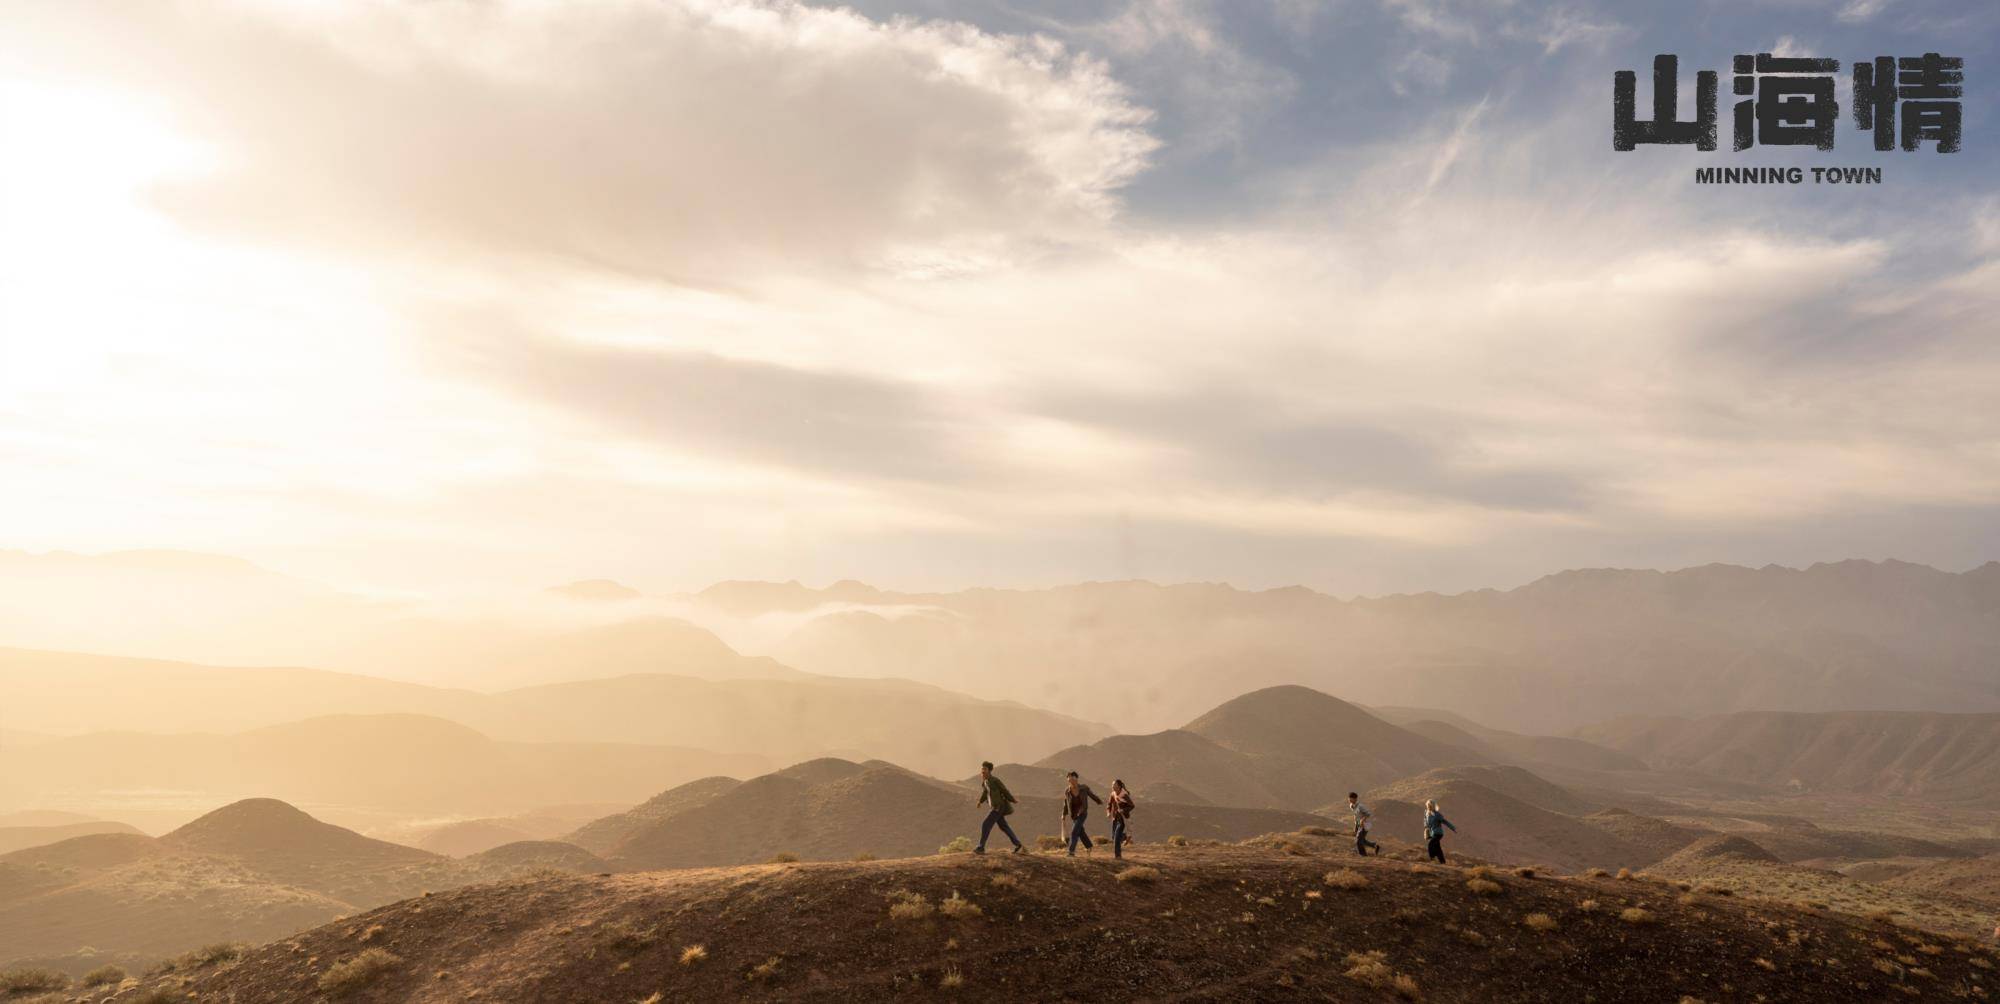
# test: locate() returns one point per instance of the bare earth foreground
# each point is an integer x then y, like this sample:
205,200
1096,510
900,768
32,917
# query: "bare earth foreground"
1279,918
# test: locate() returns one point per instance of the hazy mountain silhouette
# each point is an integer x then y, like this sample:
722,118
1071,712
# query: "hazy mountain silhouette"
1937,757
1566,650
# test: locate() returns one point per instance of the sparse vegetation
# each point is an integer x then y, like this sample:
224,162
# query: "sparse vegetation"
1539,922
1637,916
217,954
783,858
763,971
24,981
1346,878
694,955
374,931
960,844
1597,873
1320,831
1587,906
1177,841
958,907
1371,969
628,936
1484,887
952,979
1049,842
1525,871
1624,874
1142,874
907,905
863,856
104,976
1002,880
343,978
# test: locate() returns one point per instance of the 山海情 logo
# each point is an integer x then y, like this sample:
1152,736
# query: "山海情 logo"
1907,103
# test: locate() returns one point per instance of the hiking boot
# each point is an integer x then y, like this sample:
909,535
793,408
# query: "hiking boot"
979,850
1019,849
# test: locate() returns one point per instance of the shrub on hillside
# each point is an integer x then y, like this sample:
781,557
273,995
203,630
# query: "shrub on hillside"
210,955
1177,841
782,858
694,955
28,980
1346,878
1597,873
1139,873
1483,887
1320,831
1049,842
1371,969
865,856
763,971
960,844
958,907
1539,921
104,976
1635,915
343,978
907,905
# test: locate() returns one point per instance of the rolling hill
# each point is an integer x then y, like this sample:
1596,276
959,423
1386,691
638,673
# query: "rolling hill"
1503,814
1276,748
831,809
1739,866
250,871
1225,923
14,838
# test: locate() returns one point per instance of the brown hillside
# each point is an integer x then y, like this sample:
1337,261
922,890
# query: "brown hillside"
1976,879
835,810
1745,869
1228,923
530,854
1307,744
1561,752
1498,826
1656,837
602,835
1514,782
14,838
1934,756
1196,763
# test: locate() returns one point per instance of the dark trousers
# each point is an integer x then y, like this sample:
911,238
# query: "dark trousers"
1117,838
1076,834
986,829
1435,848
1362,843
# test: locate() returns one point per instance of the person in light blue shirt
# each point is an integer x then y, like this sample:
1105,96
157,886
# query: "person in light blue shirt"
1434,826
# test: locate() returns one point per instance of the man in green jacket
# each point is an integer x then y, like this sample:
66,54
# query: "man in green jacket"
991,790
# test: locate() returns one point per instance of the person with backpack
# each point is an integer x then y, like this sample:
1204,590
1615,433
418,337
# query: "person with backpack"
1434,826
1119,808
993,791
1076,808
1362,820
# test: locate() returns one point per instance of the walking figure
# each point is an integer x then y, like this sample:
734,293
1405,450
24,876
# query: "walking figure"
1434,826
992,791
1076,805
1363,819
1119,808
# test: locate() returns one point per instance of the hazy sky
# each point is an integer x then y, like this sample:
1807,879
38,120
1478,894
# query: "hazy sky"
1354,294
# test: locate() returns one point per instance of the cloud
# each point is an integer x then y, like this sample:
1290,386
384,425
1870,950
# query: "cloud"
687,140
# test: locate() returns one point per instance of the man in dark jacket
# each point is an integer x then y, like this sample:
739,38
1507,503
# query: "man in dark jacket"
992,791
1076,808
1119,808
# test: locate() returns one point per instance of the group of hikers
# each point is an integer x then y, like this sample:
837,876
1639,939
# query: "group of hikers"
1077,796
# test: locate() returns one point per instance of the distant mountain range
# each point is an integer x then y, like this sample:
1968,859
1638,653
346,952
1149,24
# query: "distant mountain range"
776,719
1562,652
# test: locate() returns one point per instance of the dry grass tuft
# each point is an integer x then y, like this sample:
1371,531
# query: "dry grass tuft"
1346,878
374,931
104,976
863,856
1177,841
1540,921
1766,965
1002,880
343,978
952,979
958,907
782,858
694,955
1979,962
1049,842
763,971
30,980
960,844
1470,936
1480,871
1625,874
1294,848
1638,917
1484,887
1141,874
1597,873
1371,969
907,905
1587,906
1320,831
654,998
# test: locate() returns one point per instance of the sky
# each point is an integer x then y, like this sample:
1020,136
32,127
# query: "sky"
441,296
